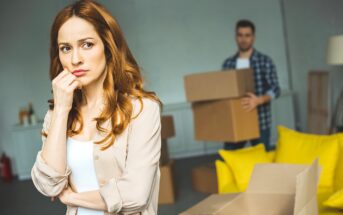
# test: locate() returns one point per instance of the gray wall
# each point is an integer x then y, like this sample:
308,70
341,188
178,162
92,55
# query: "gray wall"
309,24
24,60
169,39
173,38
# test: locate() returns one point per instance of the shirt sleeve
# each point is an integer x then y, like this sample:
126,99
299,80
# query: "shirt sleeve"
132,191
229,63
272,80
47,180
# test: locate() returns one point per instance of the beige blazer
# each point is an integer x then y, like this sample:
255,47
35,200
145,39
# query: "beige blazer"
128,172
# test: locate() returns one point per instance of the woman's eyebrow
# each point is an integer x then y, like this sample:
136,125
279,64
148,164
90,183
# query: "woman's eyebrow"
79,41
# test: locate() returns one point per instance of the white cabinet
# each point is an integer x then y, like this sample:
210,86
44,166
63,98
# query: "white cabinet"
26,143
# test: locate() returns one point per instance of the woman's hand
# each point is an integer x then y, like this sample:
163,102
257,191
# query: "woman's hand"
66,197
63,87
89,199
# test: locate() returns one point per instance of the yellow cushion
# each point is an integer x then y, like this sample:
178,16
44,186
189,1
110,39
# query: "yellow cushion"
242,162
339,167
335,200
322,197
226,181
298,148
271,155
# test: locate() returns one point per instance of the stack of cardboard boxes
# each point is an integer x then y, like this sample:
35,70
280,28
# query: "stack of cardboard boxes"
216,102
218,115
167,188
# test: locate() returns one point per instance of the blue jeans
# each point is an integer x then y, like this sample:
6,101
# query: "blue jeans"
265,139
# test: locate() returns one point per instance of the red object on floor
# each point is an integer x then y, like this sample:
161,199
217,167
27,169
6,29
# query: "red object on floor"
6,171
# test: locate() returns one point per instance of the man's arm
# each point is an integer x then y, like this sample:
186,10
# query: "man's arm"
272,79
252,101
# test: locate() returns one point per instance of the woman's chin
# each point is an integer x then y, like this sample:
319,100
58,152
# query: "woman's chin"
85,82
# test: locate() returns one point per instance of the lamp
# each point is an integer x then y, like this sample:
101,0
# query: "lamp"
334,56
335,50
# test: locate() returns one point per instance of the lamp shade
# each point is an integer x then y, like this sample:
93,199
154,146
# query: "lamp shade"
334,55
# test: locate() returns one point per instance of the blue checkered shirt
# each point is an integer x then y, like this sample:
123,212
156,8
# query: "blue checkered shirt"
266,82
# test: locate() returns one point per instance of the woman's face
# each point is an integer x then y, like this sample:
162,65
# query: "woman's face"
81,50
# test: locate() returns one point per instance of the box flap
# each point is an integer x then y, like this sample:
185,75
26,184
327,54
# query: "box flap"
260,203
211,205
306,191
274,178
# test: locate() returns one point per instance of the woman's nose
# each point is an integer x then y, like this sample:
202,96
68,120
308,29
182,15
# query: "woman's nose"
76,58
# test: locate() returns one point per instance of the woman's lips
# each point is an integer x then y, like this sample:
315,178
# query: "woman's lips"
79,72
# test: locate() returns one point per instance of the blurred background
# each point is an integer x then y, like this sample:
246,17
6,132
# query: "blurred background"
170,39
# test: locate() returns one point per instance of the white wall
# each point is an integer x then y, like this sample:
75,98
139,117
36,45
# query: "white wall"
309,24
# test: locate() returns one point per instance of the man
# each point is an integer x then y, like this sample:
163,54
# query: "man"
266,82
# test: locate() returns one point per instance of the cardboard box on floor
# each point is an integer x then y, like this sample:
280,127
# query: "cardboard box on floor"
273,189
167,186
164,159
167,127
167,131
224,120
218,85
204,178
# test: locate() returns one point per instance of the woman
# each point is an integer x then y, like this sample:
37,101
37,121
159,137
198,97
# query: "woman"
101,136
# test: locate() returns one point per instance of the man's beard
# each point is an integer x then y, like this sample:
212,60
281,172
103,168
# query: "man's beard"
244,49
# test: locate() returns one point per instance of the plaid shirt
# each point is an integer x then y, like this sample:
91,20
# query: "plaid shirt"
266,82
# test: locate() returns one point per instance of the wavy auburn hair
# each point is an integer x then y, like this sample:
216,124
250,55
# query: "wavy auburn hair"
123,79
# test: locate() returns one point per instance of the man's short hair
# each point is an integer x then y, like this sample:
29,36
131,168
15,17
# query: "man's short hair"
243,23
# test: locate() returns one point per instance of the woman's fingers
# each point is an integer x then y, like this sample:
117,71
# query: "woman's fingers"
68,79
63,89
75,84
61,75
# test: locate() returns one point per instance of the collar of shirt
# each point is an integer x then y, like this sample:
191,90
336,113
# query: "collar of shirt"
253,57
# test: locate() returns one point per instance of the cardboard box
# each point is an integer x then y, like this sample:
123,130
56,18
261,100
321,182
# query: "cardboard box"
273,189
167,188
164,159
167,131
219,85
204,178
224,120
167,127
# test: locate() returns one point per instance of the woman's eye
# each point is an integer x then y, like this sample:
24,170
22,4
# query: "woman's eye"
88,45
65,49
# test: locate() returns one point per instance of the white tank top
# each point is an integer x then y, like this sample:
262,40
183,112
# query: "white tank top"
80,161
242,63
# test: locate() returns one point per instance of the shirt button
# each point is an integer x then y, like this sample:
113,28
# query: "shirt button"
102,182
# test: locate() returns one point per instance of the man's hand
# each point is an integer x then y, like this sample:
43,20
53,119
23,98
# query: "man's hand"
250,102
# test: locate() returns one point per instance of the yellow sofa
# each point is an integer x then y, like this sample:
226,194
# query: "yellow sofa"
294,148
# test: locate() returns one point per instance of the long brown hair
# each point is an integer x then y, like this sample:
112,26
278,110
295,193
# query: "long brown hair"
123,79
